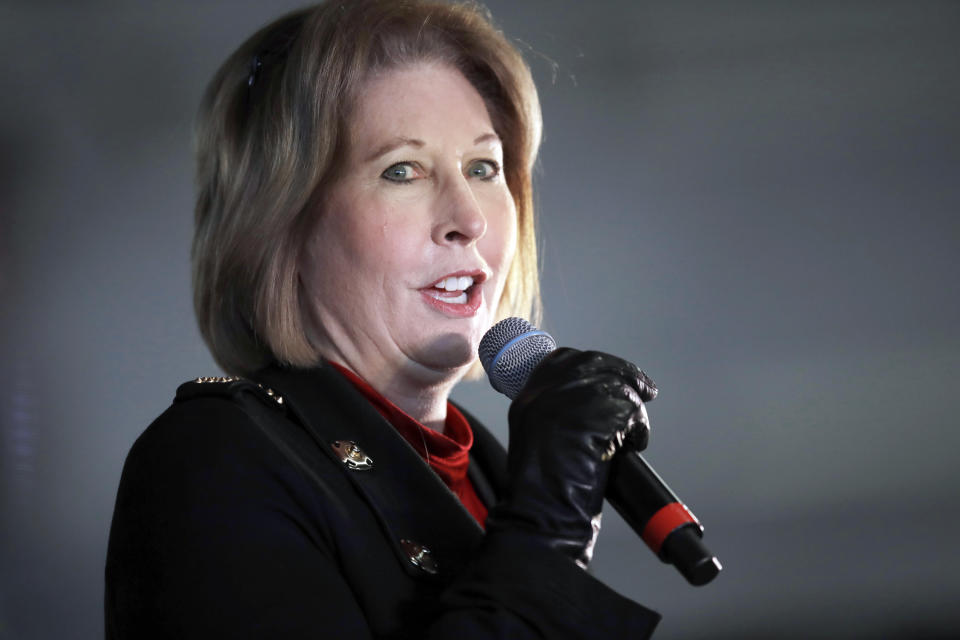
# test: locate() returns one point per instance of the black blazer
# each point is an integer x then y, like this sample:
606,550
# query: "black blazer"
236,517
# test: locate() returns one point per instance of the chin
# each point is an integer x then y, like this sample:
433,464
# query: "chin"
448,352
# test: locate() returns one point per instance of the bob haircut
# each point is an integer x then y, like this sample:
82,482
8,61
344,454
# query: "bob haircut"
273,122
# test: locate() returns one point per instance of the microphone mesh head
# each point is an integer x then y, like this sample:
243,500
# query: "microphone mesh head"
510,351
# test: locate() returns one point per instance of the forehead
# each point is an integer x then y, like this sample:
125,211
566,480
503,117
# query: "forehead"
432,102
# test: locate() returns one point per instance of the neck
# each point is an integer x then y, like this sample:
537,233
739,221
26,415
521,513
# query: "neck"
417,389
419,392
426,406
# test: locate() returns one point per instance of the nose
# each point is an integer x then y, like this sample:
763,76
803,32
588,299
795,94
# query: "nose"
460,218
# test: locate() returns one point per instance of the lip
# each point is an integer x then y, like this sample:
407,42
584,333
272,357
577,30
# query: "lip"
478,275
474,295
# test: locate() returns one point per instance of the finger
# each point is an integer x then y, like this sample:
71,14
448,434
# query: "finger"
646,386
567,369
639,436
632,436
638,379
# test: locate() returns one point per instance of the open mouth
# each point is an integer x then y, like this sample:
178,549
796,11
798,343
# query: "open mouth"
452,289
459,295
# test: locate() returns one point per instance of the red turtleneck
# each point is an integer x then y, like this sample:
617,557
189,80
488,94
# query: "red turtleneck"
447,453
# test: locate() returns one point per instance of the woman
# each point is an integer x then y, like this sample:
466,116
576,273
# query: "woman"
364,216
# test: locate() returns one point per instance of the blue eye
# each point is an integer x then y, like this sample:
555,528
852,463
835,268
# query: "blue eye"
484,169
400,172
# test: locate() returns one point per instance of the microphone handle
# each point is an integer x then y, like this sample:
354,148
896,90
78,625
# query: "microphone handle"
655,512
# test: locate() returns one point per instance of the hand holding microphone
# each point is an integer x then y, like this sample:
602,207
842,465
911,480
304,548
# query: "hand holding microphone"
572,412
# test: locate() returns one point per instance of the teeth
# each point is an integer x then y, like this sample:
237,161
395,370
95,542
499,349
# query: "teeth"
460,299
454,283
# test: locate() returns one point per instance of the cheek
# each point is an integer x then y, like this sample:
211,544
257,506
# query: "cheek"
352,238
392,247
330,264
502,231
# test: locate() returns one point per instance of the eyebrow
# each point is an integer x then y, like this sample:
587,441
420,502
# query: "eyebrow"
402,141
395,143
487,137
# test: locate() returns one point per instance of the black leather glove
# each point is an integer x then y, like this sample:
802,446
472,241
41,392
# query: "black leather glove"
575,411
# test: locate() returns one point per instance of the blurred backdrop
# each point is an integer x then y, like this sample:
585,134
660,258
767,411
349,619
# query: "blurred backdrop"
757,201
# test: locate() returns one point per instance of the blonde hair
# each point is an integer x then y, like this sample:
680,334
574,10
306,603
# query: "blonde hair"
272,122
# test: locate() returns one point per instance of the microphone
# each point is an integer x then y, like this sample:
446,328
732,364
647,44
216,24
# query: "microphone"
509,352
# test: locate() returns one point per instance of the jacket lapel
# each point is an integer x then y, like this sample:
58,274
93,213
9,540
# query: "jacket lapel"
409,499
488,462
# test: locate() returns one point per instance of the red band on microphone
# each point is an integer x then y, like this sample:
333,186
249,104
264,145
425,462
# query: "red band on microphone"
663,523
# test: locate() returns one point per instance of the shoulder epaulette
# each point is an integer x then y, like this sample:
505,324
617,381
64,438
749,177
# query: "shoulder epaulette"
230,386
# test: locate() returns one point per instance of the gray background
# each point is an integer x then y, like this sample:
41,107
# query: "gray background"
756,201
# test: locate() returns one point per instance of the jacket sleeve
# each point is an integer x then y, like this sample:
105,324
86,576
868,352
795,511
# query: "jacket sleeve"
211,538
207,542
517,589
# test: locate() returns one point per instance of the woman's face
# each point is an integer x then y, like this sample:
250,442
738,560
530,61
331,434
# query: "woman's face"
408,259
